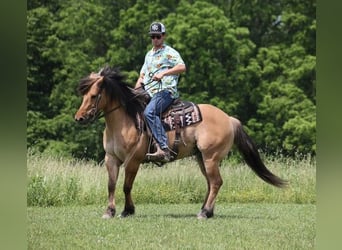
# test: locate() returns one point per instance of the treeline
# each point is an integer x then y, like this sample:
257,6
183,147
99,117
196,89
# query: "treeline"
253,59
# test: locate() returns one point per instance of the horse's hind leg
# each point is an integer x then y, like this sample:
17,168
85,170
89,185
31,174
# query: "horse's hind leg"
202,167
210,169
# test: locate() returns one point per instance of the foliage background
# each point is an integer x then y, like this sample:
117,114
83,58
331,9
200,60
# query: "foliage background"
256,60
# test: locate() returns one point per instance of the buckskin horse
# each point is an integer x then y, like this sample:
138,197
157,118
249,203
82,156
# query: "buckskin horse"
126,142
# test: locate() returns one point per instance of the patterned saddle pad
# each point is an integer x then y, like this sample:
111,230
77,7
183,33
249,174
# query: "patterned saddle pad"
181,114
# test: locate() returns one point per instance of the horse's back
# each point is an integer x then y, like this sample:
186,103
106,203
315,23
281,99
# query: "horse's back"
216,117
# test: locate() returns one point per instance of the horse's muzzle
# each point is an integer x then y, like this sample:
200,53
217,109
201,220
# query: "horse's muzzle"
82,120
86,118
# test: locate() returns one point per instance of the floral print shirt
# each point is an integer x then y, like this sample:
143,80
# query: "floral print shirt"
159,61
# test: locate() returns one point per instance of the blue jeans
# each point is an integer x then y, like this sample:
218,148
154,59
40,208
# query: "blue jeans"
158,104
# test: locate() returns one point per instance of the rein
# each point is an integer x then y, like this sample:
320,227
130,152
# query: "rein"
99,115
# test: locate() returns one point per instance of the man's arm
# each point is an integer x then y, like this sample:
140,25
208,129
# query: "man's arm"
179,68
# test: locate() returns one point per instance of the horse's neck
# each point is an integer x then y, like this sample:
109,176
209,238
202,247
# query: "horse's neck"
118,121
121,136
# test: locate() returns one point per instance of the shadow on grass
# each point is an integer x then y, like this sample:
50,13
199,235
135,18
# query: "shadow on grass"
216,216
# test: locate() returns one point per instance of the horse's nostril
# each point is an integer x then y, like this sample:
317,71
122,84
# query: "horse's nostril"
79,119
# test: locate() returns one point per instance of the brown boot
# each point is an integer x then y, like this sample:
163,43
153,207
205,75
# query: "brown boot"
162,155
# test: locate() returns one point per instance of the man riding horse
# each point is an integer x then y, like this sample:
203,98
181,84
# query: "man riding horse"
159,76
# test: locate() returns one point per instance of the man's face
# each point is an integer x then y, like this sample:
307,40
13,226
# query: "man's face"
157,39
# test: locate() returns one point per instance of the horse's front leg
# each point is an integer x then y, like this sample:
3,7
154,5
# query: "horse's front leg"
112,165
130,173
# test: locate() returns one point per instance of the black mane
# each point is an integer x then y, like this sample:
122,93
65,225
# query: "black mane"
117,89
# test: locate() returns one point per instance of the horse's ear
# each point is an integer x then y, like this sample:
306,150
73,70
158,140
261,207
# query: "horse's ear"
99,82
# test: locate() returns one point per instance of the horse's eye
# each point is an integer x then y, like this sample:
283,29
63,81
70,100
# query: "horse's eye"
93,97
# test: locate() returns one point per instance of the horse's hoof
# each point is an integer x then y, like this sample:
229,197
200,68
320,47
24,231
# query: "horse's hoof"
126,214
110,213
201,216
128,211
106,216
205,214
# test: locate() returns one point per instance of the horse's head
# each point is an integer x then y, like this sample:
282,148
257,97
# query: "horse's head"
93,102
106,92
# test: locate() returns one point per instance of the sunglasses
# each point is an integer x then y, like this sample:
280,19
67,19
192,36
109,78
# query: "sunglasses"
155,36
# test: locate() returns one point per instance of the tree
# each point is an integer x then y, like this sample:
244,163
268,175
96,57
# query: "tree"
213,48
253,59
62,48
257,16
286,120
39,67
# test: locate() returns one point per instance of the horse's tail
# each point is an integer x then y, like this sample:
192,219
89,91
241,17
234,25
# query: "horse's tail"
251,155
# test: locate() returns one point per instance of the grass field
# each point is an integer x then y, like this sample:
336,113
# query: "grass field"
174,226
66,199
58,182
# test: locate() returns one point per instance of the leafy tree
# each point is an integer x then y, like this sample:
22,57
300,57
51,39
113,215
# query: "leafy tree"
299,24
75,42
275,22
280,99
213,48
257,16
286,120
39,67
253,59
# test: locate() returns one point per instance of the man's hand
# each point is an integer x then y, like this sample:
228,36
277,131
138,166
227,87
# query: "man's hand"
139,82
158,77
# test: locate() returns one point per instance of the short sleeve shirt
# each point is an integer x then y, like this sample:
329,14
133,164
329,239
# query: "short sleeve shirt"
159,61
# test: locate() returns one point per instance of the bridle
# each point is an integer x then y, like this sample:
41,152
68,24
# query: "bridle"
96,113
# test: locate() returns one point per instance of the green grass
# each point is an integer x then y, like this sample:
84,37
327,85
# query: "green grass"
54,181
66,199
174,226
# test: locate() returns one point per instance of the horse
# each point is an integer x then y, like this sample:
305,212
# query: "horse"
106,94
